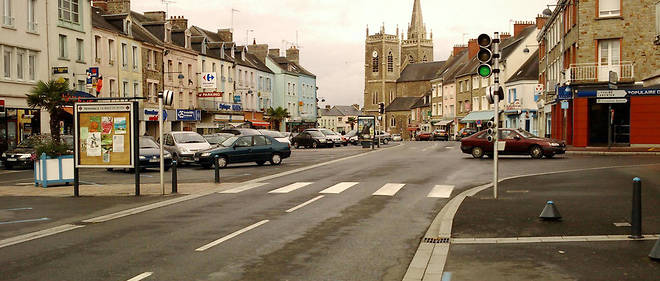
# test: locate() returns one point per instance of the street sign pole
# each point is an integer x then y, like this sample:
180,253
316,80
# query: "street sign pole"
496,98
162,142
136,145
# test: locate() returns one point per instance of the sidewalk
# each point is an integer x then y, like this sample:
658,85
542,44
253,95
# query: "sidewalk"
111,189
505,240
615,150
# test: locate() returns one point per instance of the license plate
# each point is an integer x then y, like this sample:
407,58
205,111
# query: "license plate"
196,159
153,160
12,159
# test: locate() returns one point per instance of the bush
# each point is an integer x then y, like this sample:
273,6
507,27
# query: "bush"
51,147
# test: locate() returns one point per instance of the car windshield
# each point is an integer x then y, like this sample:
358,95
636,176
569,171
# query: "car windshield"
215,139
526,134
316,134
147,143
351,133
189,138
273,134
249,132
229,142
328,132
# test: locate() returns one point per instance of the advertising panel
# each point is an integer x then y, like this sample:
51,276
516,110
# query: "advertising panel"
104,135
188,115
366,127
208,80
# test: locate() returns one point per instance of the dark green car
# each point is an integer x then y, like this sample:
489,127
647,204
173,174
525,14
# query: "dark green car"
243,149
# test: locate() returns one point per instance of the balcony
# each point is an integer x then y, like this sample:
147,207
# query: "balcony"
593,72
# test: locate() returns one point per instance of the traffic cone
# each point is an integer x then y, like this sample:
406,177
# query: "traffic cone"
655,252
550,212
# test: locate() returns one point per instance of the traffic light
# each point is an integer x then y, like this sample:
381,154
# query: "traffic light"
485,55
381,108
491,131
491,91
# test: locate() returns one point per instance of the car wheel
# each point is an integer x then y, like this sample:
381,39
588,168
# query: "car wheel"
276,159
536,152
477,152
385,141
315,145
260,163
222,162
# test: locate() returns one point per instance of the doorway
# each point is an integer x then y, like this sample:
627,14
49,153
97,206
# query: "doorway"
599,114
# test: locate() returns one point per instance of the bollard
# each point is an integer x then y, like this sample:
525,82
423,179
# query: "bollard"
217,169
174,177
636,217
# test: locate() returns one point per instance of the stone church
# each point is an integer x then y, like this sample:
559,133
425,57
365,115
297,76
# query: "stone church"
387,55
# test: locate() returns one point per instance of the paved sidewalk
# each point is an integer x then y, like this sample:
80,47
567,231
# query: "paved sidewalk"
110,189
505,240
615,150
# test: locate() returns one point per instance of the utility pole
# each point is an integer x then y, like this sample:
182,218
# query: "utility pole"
496,72
489,57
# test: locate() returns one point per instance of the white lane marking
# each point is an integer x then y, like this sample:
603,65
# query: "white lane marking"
304,204
141,276
230,236
25,183
389,189
145,208
18,209
12,172
37,234
21,221
244,187
449,147
338,188
441,191
290,187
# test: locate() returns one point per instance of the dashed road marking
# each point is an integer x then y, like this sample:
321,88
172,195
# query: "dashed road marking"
37,234
389,189
22,221
338,188
230,236
291,187
244,187
304,204
441,191
141,276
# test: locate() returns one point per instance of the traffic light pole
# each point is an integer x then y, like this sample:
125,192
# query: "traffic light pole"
496,98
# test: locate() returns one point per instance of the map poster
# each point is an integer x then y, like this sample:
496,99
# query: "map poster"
104,135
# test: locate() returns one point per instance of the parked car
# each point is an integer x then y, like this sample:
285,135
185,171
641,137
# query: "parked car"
383,136
397,137
518,142
23,155
184,145
241,131
277,136
351,137
243,149
423,137
465,132
336,138
150,154
313,139
440,135
217,139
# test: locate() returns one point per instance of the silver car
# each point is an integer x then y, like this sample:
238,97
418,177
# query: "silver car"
184,145
335,137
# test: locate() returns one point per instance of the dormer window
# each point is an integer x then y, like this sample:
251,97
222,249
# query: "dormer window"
127,27
204,46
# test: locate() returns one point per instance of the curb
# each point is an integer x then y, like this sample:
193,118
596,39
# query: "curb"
612,153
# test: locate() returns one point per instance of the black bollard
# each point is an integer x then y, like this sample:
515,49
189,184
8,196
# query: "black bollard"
174,177
217,169
636,218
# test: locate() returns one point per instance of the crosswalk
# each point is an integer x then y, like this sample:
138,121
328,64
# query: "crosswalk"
388,189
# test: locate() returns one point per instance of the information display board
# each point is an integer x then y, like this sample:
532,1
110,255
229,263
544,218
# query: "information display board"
104,135
366,127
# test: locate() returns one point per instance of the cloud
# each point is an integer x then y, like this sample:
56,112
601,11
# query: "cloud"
331,33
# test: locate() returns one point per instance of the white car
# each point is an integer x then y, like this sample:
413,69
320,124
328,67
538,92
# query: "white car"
183,145
396,137
277,136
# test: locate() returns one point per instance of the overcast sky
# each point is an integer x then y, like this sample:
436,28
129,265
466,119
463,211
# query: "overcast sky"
331,33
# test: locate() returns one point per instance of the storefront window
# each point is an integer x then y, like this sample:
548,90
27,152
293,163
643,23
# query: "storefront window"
17,125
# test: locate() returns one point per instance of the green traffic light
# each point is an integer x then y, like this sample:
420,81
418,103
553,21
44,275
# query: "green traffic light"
484,70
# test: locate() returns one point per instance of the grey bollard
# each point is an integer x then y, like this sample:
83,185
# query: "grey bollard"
636,217
174,177
217,169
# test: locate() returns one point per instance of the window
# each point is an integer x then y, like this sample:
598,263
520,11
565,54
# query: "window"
475,82
135,57
124,55
69,11
180,105
375,97
32,20
19,65
391,97
259,140
609,8
189,74
149,61
111,51
63,47
7,18
7,61
32,61
112,87
484,103
191,101
475,103
461,85
97,54
213,67
80,86
136,89
424,59
240,78
124,89
484,82
80,45
390,62
609,52
393,121
169,70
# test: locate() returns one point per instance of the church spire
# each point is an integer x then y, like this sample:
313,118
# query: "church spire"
417,29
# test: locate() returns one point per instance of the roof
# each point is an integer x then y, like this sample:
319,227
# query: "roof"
469,68
528,71
512,43
99,21
424,71
141,34
453,65
212,36
348,110
423,101
475,116
252,59
401,104
330,112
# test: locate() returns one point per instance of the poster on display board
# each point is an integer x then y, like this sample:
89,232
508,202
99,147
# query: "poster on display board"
366,127
104,135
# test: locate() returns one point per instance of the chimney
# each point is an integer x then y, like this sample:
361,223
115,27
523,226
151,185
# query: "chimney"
458,48
540,21
259,50
101,4
518,26
179,23
293,54
473,48
274,52
226,35
155,16
505,35
115,7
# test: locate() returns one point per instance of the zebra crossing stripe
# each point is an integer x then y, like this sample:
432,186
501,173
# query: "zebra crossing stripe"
389,189
441,191
244,187
338,188
291,187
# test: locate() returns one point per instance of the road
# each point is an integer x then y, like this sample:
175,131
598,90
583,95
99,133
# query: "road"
358,219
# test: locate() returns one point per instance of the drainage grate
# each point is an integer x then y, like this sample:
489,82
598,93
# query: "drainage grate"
435,240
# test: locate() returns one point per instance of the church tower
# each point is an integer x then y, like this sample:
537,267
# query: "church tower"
418,47
381,69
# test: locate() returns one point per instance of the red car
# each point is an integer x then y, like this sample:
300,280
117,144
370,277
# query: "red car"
424,137
518,142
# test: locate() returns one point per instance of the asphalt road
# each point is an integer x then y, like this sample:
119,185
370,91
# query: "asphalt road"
366,228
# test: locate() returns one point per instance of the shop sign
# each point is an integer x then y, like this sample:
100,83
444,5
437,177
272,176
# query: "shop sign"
611,94
60,70
564,93
151,114
94,72
237,99
188,115
209,94
643,92
209,80
227,117
612,101
515,106
229,107
619,93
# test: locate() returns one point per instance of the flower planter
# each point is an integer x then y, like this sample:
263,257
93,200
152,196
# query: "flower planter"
53,171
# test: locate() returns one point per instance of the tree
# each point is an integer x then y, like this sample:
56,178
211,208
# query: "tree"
351,121
277,115
48,96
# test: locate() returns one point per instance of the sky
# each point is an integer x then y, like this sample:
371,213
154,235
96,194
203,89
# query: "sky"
331,33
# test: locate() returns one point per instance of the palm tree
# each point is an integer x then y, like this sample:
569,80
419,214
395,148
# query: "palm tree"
277,115
351,121
48,96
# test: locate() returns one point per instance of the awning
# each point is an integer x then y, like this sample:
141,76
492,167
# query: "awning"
442,122
259,123
475,116
413,129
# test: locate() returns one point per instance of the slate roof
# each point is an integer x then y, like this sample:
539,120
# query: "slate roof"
401,104
453,65
512,43
424,71
469,68
528,71
348,110
256,63
99,21
330,112
423,101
